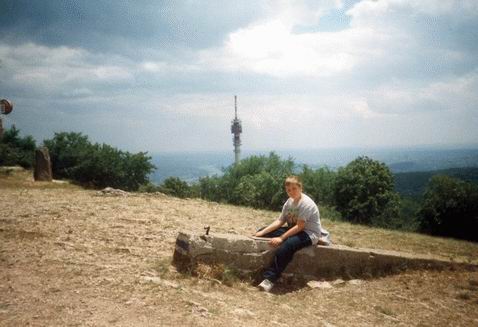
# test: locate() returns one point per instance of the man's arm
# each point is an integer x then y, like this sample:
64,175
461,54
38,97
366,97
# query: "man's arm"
272,227
299,227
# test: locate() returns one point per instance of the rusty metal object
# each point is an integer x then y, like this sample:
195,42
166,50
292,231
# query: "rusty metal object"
6,107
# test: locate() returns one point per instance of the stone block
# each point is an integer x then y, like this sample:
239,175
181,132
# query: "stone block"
335,261
43,170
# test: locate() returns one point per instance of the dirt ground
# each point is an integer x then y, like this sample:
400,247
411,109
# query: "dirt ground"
73,257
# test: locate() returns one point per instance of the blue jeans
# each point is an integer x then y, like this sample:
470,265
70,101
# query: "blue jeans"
285,252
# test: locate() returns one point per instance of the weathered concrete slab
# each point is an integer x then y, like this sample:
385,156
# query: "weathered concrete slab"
251,256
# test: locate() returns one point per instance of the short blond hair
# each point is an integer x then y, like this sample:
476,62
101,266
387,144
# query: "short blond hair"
293,180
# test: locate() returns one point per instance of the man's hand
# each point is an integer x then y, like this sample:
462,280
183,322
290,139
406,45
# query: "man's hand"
275,242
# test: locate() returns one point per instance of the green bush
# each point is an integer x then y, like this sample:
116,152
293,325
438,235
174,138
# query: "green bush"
149,188
319,184
364,193
74,157
450,208
211,188
67,152
176,187
409,207
16,150
256,181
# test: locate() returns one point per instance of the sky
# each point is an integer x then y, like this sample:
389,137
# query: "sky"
161,76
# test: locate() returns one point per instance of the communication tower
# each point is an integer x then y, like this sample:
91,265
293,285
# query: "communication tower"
236,129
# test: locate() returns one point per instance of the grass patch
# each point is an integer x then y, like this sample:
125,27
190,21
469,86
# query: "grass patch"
19,178
384,310
473,283
464,296
219,273
329,213
164,268
6,171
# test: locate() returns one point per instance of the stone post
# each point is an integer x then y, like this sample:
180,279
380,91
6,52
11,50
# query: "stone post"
42,171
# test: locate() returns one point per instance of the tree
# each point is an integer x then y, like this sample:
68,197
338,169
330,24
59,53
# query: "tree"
450,208
256,181
319,184
16,150
211,188
74,157
176,187
67,152
364,193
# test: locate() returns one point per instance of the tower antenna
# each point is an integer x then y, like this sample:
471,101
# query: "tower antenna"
236,129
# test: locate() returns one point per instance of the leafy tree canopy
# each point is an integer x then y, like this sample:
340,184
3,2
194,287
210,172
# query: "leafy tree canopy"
450,208
364,192
74,157
16,150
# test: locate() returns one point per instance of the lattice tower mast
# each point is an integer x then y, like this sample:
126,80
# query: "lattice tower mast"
236,129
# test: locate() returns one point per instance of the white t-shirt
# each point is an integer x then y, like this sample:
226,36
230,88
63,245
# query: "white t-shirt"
307,211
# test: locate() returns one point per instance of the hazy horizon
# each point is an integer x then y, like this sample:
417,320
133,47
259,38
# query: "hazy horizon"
190,166
469,146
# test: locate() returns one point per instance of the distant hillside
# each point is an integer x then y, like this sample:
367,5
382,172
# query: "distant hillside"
414,183
190,166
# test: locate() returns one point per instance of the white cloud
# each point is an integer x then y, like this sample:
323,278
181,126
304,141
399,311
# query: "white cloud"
453,94
52,70
381,33
385,79
393,14
271,48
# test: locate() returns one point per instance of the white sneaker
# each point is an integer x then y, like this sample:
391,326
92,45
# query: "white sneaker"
266,285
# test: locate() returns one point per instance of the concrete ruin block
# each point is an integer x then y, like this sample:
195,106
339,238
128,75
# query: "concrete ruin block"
43,172
251,256
237,251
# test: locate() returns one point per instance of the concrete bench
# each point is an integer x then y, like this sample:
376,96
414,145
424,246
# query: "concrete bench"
250,256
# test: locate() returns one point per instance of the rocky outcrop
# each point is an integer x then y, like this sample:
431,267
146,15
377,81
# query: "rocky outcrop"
42,171
109,191
250,255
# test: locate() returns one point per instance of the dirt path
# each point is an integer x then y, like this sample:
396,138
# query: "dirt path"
70,257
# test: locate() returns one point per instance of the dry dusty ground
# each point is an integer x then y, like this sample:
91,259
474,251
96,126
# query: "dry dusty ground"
71,257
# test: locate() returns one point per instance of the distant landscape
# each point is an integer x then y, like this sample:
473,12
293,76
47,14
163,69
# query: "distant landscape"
191,166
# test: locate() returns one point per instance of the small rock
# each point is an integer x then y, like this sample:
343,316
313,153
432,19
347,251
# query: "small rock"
194,304
112,192
159,281
286,306
129,302
197,308
243,312
317,284
338,282
122,250
355,282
